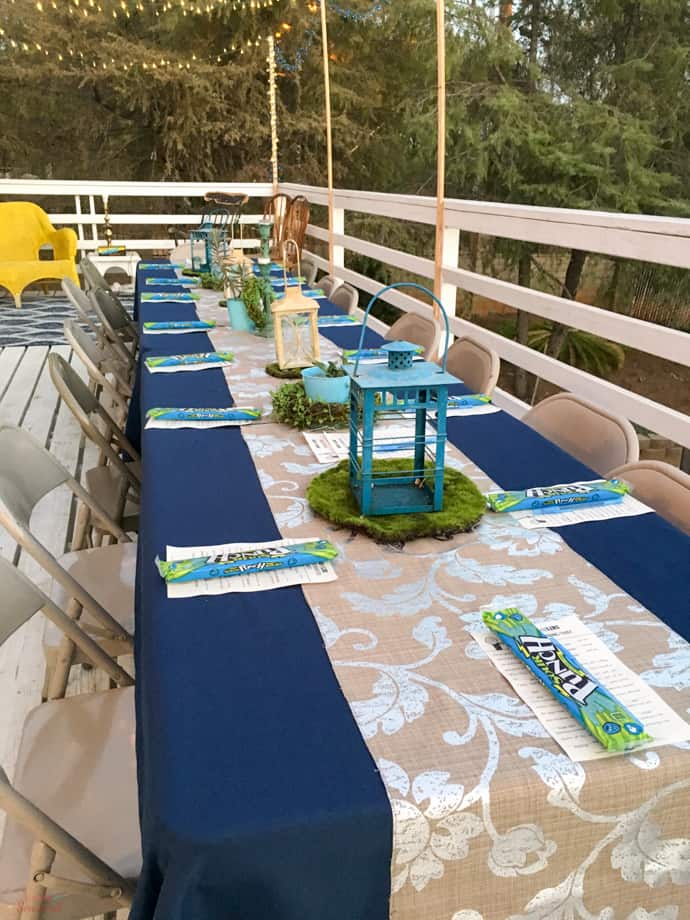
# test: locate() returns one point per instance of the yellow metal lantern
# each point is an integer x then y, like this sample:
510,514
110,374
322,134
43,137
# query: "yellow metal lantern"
295,319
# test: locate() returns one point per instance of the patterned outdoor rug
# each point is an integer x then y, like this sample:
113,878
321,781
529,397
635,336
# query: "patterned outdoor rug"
40,320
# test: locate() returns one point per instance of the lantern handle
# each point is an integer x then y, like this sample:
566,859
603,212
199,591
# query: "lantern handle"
299,267
390,287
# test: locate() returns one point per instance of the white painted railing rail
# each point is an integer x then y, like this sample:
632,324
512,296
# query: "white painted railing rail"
653,239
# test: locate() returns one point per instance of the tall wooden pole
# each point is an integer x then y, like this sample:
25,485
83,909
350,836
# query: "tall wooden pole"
441,147
329,133
273,111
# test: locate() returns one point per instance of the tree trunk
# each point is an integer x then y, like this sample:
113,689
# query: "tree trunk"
569,289
472,258
611,295
524,280
505,12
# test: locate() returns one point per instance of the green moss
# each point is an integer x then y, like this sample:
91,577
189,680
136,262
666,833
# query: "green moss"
288,373
463,506
292,407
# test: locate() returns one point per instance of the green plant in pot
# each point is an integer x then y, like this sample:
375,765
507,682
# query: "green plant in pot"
293,407
326,383
257,295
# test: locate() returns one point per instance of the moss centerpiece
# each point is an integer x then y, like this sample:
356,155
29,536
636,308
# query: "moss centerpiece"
330,496
292,407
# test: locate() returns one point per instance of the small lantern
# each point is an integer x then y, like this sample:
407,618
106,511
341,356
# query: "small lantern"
295,318
399,389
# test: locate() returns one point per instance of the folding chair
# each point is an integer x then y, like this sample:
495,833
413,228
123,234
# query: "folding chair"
475,364
71,843
113,481
82,304
106,377
93,277
420,330
83,582
594,436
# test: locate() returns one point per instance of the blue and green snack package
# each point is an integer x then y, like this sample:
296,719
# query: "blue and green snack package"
266,559
571,495
597,710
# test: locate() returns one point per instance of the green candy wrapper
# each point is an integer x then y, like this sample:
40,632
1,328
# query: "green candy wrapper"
597,710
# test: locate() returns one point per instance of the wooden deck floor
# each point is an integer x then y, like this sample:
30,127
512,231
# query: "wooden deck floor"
28,399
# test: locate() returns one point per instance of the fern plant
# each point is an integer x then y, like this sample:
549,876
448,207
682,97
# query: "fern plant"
580,349
255,293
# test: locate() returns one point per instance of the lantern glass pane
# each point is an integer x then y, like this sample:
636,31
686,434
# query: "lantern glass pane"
296,340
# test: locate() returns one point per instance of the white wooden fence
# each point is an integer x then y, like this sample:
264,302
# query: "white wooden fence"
653,239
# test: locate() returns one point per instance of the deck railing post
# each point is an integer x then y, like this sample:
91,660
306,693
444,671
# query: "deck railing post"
338,229
80,226
451,256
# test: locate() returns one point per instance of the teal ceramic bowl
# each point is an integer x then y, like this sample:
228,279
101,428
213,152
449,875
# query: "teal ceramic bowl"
325,389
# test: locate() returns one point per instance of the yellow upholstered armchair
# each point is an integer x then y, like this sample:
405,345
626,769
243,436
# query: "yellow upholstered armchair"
24,228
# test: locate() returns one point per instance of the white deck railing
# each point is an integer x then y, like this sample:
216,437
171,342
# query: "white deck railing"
652,239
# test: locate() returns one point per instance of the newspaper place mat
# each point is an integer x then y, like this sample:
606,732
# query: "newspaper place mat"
154,421
333,446
317,573
659,720
597,511
328,446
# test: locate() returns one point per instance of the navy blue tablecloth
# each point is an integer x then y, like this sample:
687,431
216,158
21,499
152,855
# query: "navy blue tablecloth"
258,796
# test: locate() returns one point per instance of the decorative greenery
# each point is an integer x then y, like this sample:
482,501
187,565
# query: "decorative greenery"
580,349
255,293
211,282
331,369
330,496
292,406
283,373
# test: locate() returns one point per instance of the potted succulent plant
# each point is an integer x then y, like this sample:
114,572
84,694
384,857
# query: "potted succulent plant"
327,383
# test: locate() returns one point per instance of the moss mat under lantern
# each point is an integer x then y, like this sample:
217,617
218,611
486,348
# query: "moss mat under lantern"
287,373
463,506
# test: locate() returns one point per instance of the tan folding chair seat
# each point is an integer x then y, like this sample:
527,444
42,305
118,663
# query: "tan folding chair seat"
122,479
420,330
71,843
83,306
77,764
661,486
117,326
106,373
93,277
346,297
475,364
309,271
108,573
329,284
589,433
28,472
106,485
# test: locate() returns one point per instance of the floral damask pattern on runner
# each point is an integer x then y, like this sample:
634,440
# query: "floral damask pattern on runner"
491,820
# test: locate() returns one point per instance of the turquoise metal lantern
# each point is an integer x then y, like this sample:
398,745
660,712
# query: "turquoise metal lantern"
212,221
406,391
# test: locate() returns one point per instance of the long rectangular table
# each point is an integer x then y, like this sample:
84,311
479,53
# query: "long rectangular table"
433,793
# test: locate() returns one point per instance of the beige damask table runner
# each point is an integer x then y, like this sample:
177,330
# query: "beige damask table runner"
491,820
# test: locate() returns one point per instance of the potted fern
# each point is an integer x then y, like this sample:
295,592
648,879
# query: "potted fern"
326,383
257,295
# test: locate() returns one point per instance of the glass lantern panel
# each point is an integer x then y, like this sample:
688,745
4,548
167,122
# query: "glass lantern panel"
297,344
